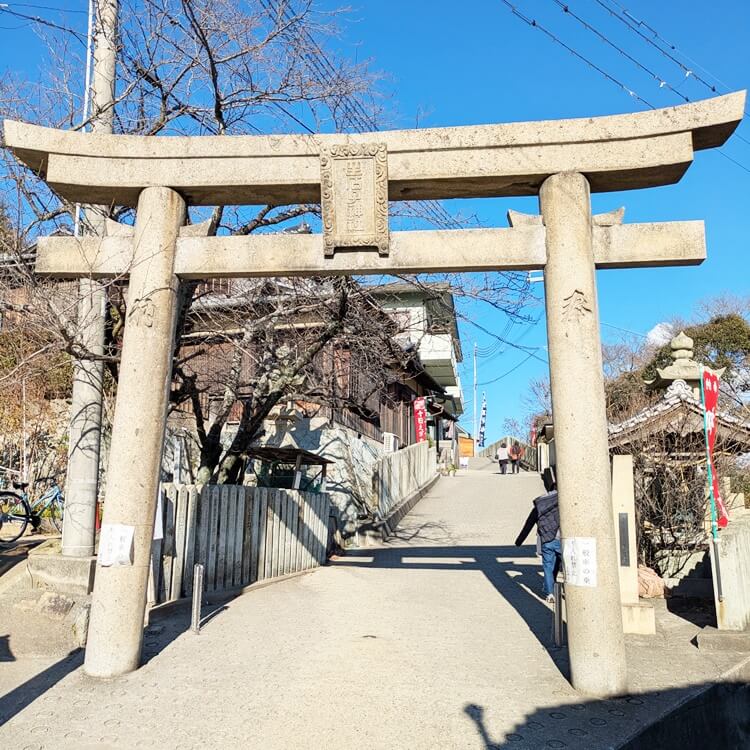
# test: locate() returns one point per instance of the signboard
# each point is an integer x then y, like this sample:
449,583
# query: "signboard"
116,544
354,196
710,395
579,560
420,419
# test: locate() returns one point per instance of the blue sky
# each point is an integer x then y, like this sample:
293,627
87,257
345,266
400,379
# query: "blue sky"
445,63
461,64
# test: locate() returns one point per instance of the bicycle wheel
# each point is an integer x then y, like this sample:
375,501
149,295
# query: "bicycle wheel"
15,515
55,511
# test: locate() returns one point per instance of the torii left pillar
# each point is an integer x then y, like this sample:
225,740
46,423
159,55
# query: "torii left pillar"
116,626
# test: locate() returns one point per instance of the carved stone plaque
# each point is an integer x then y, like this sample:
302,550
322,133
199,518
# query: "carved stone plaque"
354,196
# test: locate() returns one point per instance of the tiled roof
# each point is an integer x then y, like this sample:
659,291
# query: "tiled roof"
679,396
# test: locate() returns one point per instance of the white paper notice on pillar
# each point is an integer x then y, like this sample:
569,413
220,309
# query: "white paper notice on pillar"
116,544
579,560
158,522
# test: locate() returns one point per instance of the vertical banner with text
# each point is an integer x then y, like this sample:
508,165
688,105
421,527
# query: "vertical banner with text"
483,421
710,395
420,419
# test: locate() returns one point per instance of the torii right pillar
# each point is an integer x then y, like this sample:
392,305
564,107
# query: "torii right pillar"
592,592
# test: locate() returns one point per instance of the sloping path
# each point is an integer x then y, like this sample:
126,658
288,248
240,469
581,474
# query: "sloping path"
437,640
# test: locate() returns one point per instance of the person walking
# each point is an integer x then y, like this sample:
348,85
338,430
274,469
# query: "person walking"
516,453
546,516
502,457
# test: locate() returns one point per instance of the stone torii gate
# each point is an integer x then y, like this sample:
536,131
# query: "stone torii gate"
354,177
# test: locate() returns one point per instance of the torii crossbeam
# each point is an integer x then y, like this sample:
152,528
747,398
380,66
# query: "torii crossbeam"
354,177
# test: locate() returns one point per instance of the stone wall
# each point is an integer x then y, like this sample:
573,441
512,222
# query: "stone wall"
349,481
399,476
734,563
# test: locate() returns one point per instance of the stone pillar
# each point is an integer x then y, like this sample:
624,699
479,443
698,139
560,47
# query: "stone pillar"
82,481
119,600
595,638
623,507
85,426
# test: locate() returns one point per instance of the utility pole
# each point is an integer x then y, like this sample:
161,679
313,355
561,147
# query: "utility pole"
81,487
474,435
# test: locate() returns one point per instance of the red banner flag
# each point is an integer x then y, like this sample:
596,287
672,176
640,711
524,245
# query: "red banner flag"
420,419
710,393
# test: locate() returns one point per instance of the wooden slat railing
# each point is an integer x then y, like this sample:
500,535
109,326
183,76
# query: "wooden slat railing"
241,535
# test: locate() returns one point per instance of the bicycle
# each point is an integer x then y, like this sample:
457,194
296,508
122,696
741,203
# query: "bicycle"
16,512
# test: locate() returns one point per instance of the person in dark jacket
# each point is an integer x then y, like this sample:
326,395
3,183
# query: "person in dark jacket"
515,452
545,515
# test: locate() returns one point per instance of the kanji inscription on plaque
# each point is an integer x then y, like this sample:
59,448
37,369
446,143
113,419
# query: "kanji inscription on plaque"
354,196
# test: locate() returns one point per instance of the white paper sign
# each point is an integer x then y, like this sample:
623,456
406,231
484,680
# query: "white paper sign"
463,461
116,544
158,523
579,560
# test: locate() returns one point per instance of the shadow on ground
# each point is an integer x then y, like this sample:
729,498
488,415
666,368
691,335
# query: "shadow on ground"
157,637
707,715
12,554
168,625
16,700
5,651
430,532
518,583
698,612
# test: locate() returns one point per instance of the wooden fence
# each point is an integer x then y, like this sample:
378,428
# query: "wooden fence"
400,474
240,534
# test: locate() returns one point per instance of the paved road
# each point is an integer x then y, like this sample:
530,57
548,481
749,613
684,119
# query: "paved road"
436,640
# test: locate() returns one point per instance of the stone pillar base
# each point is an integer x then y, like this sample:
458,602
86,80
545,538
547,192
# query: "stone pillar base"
52,570
639,618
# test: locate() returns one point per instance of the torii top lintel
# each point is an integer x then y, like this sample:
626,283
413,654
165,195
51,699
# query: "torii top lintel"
617,152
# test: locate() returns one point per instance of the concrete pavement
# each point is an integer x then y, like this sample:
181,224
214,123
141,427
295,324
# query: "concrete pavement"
438,639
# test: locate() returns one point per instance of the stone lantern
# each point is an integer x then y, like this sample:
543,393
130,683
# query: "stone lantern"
684,374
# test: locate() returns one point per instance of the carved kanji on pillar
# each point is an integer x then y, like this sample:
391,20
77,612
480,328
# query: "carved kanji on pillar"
575,306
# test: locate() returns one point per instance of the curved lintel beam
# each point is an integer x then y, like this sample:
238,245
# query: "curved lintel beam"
617,152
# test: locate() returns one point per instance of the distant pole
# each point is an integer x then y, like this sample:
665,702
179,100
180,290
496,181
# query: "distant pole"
475,399
82,481
24,444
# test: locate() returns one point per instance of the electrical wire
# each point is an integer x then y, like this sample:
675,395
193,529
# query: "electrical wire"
624,330
531,350
589,27
358,117
536,25
47,7
626,17
505,374
44,22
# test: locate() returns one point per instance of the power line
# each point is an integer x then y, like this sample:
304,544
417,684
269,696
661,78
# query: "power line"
47,7
44,22
535,24
624,330
356,114
589,27
625,19
512,369
734,161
